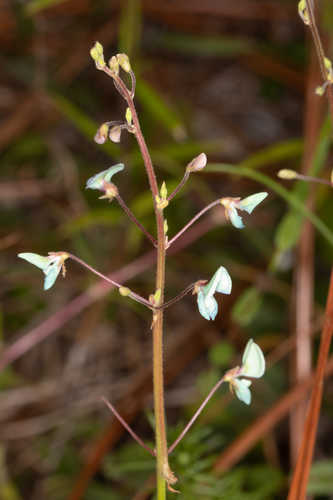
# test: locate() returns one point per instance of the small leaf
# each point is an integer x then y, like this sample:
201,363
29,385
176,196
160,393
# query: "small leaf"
128,116
163,191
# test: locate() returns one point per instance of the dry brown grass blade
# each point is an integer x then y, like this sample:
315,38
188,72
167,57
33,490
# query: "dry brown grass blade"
301,474
265,423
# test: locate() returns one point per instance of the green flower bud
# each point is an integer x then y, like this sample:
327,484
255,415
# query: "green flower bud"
287,174
124,62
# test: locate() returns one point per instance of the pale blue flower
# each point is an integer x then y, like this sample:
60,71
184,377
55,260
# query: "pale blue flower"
100,180
248,204
50,265
241,389
253,365
221,283
253,361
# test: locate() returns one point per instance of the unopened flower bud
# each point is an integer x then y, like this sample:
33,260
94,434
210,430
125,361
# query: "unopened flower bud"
332,177
128,116
115,133
124,291
303,12
97,54
102,133
198,163
124,62
114,65
287,174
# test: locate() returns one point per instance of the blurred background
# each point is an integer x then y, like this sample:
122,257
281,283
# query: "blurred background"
235,80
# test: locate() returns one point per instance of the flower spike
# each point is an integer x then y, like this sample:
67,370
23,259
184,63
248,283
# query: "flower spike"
248,204
221,283
50,265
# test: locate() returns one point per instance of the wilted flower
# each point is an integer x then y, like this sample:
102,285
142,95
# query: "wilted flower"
221,283
253,365
248,204
50,265
102,180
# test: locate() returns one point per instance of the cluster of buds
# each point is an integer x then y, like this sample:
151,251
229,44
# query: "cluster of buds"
116,62
329,77
162,198
111,130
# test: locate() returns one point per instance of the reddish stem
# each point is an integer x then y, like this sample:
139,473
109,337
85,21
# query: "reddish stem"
127,427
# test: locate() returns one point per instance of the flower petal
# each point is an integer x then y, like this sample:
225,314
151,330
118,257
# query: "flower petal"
51,274
35,259
96,182
208,307
242,391
253,362
224,284
235,219
250,203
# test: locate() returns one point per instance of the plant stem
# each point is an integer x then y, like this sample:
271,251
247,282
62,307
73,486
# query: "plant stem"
127,427
180,185
163,472
132,217
132,295
320,51
197,413
192,221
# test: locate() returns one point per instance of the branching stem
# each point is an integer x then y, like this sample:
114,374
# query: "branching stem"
192,221
132,295
127,427
197,413
131,216
180,185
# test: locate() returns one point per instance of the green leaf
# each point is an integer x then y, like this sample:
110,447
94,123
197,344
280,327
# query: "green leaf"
247,306
210,46
288,231
321,478
130,27
35,6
